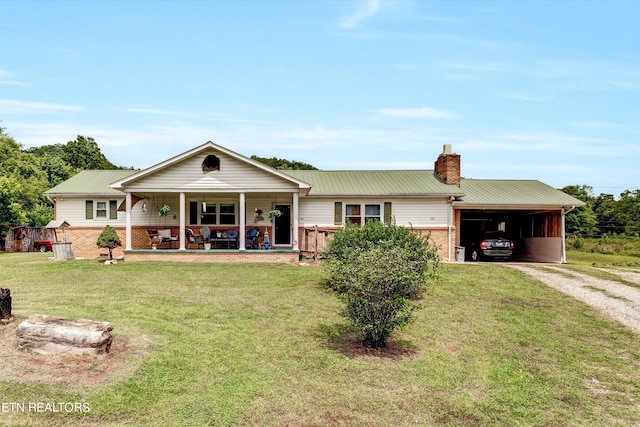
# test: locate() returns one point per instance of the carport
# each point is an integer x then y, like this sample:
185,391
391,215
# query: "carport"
537,234
531,213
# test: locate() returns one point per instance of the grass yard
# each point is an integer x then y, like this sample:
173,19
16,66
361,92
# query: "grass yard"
264,345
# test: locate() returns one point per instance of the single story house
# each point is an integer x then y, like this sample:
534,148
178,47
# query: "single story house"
211,187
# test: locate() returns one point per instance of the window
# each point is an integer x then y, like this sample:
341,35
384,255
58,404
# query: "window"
227,214
214,213
364,212
352,214
208,215
101,209
371,213
193,213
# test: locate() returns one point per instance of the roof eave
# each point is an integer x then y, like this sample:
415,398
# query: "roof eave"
512,206
119,185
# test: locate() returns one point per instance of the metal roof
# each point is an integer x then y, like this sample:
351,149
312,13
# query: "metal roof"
91,182
374,183
472,192
503,192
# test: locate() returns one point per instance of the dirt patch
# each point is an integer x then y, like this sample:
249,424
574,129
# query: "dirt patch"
74,371
350,344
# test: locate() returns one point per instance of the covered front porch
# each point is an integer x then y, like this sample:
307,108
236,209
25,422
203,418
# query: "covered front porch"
222,221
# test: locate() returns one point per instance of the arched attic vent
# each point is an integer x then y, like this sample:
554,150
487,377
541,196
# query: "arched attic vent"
211,163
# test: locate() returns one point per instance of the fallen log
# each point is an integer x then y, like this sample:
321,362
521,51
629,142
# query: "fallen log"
5,303
50,335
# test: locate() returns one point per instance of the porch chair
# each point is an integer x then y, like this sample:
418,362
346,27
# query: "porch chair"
205,232
251,240
192,239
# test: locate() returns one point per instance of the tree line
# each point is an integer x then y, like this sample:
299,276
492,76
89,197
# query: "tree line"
27,173
604,214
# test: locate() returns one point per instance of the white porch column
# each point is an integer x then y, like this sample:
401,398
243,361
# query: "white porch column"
243,220
563,248
127,216
182,221
295,221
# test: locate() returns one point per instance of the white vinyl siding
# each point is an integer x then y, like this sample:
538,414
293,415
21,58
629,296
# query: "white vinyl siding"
74,211
233,176
407,212
421,212
318,212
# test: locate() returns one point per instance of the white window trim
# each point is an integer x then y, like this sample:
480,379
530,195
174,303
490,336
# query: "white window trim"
96,210
363,206
218,205
107,210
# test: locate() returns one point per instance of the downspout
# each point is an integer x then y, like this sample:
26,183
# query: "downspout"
563,257
449,226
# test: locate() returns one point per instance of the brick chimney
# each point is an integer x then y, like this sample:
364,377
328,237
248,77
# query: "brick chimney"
447,167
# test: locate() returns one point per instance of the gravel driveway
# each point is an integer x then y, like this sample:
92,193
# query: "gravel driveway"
618,301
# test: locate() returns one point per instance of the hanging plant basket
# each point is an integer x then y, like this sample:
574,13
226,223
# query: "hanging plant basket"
164,210
275,212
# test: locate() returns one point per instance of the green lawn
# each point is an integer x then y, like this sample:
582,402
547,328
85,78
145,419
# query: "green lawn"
264,345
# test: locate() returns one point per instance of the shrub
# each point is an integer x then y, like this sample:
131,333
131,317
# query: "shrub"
380,271
353,240
577,242
109,239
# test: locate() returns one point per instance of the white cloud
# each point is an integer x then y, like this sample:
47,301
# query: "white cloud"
5,79
417,113
12,106
546,143
159,112
368,9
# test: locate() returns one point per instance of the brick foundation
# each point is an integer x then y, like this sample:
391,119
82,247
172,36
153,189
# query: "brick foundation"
84,242
437,237
214,256
84,246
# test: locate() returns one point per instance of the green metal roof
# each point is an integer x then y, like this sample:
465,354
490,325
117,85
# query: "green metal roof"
472,192
374,183
497,192
90,182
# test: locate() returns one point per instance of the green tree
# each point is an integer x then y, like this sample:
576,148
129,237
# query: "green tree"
84,153
610,219
11,208
380,271
284,164
22,187
109,239
50,159
581,220
629,210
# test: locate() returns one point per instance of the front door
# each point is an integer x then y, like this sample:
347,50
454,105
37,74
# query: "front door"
282,226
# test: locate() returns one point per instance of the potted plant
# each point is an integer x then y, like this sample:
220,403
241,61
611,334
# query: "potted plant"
164,210
274,213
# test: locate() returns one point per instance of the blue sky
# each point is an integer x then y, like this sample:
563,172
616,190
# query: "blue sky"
546,90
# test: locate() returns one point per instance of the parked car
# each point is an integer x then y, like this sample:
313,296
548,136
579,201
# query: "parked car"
491,245
42,245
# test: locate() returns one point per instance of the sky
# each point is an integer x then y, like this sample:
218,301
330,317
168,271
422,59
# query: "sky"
545,90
